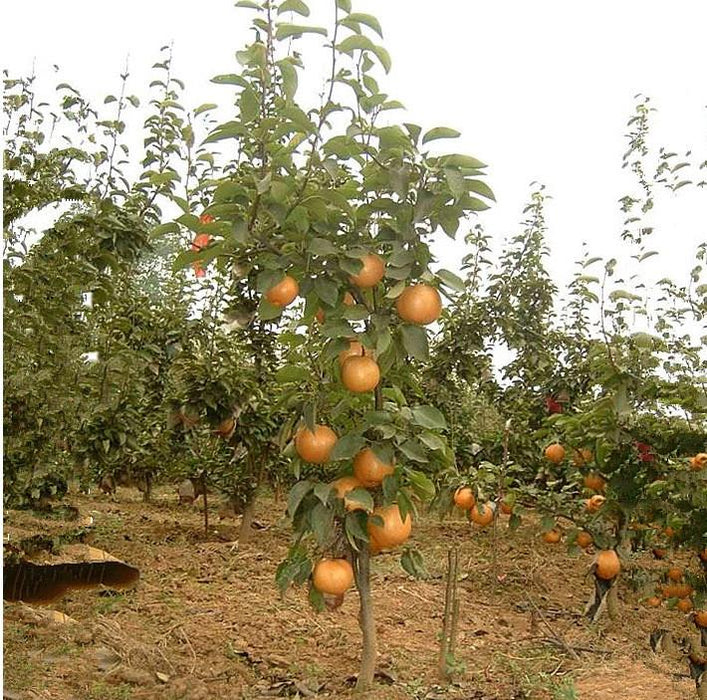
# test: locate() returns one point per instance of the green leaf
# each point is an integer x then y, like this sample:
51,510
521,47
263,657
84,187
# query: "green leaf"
414,130
292,373
347,447
316,599
412,562
248,4
404,504
229,191
458,160
429,417
363,43
432,440
415,342
308,413
298,218
169,227
401,257
355,528
230,79
377,417
321,520
344,5
327,290
358,312
263,185
184,259
298,118
230,130
449,279
393,137
322,492
414,451
475,204
480,187
368,20
296,495
285,30
337,329
361,497
181,203
384,340
296,568
547,523
206,107
289,78
249,105
396,290
455,181
321,246
440,132
392,104
268,311
391,486
421,484
643,340
623,295
294,6
384,57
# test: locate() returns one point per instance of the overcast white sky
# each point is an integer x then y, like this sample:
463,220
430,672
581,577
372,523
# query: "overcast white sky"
540,90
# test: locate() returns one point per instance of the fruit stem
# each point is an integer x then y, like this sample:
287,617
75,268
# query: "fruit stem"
362,574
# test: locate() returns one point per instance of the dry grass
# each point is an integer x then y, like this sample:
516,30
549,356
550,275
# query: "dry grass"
206,621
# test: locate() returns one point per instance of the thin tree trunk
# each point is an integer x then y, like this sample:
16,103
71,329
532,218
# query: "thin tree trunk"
499,501
366,620
448,642
246,530
249,508
612,603
206,503
277,492
446,621
622,535
147,493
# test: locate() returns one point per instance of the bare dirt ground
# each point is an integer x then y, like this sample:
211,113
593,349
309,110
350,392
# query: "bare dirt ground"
206,621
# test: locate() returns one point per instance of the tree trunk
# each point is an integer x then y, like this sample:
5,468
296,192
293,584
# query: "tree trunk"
147,493
623,544
448,641
249,508
603,599
277,492
612,603
362,572
245,530
206,503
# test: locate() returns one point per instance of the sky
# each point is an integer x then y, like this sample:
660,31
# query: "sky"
541,92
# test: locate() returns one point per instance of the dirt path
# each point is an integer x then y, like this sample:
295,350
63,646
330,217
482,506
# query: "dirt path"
206,620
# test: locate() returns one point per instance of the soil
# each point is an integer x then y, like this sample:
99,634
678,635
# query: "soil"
206,621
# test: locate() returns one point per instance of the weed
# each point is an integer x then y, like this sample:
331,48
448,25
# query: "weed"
100,690
108,604
565,690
